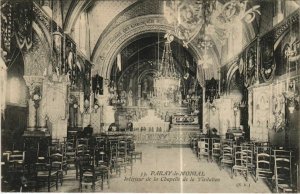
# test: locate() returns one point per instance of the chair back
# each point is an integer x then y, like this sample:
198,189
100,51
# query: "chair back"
263,157
283,167
17,156
240,156
216,146
227,150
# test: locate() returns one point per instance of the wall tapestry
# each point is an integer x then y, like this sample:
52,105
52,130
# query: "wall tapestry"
211,90
97,84
267,57
287,45
261,113
278,113
251,64
80,70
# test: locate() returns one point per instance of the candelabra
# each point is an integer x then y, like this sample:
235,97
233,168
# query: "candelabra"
36,98
235,111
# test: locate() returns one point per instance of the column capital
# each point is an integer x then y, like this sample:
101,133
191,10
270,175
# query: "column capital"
33,81
30,80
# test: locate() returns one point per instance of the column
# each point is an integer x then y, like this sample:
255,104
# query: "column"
32,83
57,12
43,107
278,12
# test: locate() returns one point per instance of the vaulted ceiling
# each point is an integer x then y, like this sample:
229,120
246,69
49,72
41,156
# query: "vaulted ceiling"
106,17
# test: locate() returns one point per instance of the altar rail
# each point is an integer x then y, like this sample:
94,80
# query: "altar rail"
173,137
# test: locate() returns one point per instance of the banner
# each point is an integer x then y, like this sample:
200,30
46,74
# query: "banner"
23,15
6,26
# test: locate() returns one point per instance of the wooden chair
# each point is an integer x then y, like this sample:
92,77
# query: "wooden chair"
227,157
113,155
16,160
203,148
81,159
283,171
46,173
240,161
70,154
248,147
82,141
14,168
87,173
55,143
58,165
102,168
122,161
263,162
87,177
215,148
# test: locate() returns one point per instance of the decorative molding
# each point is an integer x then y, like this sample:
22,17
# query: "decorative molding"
285,25
41,16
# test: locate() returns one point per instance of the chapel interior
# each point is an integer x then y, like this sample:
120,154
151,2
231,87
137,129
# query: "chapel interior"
139,96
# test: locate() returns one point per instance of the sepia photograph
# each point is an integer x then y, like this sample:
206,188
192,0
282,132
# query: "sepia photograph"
150,96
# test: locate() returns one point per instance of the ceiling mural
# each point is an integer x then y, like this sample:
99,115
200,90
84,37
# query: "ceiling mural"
115,31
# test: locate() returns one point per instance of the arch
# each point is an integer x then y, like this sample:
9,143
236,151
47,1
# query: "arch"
146,72
76,8
42,32
234,67
106,50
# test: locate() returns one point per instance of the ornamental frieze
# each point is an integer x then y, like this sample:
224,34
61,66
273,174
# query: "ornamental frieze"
279,30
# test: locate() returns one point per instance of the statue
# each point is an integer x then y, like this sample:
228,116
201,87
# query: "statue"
129,98
145,89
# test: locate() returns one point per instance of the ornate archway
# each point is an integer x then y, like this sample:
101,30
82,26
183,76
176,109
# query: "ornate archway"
106,50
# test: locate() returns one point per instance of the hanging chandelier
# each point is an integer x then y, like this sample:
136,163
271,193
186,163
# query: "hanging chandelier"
167,80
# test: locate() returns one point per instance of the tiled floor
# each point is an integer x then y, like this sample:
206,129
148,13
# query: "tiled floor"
200,176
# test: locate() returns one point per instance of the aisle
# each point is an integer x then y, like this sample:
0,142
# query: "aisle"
201,176
171,161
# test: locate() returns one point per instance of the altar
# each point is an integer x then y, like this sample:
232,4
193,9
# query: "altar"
151,123
185,122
